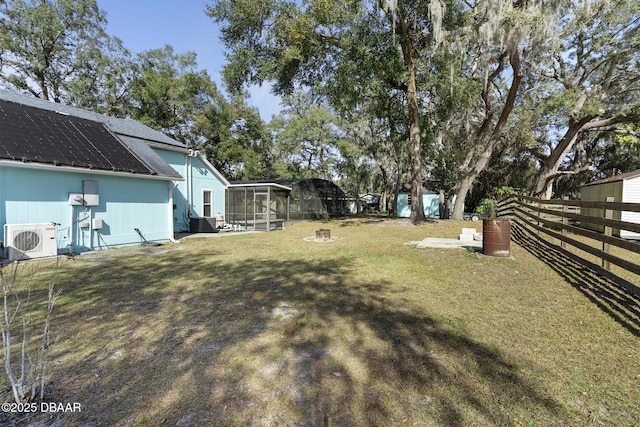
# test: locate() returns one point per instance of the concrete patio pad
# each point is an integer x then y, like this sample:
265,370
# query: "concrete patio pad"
435,242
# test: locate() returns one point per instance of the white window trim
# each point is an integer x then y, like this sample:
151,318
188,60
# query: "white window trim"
210,191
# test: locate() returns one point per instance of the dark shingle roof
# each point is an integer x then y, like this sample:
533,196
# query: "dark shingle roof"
120,126
31,135
108,143
316,185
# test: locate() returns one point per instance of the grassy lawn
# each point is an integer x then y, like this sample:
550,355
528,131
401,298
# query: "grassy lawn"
269,329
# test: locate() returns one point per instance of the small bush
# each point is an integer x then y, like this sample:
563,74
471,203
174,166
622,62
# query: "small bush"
25,367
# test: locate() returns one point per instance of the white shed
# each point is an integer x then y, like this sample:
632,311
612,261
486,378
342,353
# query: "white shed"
624,188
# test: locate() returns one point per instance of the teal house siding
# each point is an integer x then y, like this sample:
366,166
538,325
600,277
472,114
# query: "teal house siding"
32,196
96,177
104,181
127,204
181,206
204,177
200,175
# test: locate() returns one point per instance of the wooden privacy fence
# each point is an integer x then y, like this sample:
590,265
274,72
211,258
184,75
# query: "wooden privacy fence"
597,223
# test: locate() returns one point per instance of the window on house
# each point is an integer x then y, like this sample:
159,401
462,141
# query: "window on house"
207,202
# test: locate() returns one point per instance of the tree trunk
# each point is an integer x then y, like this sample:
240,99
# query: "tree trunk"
549,166
544,185
417,208
396,190
463,190
383,196
472,173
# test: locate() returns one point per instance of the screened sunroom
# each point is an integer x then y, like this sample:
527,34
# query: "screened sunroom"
315,198
257,206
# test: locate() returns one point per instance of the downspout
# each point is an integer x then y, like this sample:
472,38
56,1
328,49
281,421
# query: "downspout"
187,168
70,243
172,186
90,229
196,153
188,173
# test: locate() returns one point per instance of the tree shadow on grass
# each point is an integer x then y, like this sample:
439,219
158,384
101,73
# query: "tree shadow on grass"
620,304
271,342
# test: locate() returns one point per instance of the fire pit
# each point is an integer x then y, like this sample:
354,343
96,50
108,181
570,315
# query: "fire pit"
322,236
323,233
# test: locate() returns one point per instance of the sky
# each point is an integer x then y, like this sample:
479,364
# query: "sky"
152,24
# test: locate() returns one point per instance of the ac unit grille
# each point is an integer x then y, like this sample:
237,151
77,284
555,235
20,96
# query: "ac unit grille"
26,240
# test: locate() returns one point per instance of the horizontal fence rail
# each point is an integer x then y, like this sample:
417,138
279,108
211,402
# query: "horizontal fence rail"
559,218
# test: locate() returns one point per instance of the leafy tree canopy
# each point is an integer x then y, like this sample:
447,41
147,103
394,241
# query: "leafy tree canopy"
46,45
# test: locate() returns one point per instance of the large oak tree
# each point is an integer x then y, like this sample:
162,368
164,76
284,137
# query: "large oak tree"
591,81
46,45
344,47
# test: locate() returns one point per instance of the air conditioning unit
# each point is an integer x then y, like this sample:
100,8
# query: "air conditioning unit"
27,241
202,225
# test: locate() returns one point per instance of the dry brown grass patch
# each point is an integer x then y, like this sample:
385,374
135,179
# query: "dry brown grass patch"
267,329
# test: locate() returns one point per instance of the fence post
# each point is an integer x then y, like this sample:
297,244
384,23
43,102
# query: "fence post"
537,215
606,247
565,221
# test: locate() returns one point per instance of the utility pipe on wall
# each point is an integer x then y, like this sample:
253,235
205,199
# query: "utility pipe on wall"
90,229
70,243
172,186
187,172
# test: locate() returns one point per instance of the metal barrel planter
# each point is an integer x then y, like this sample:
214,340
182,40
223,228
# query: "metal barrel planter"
496,237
